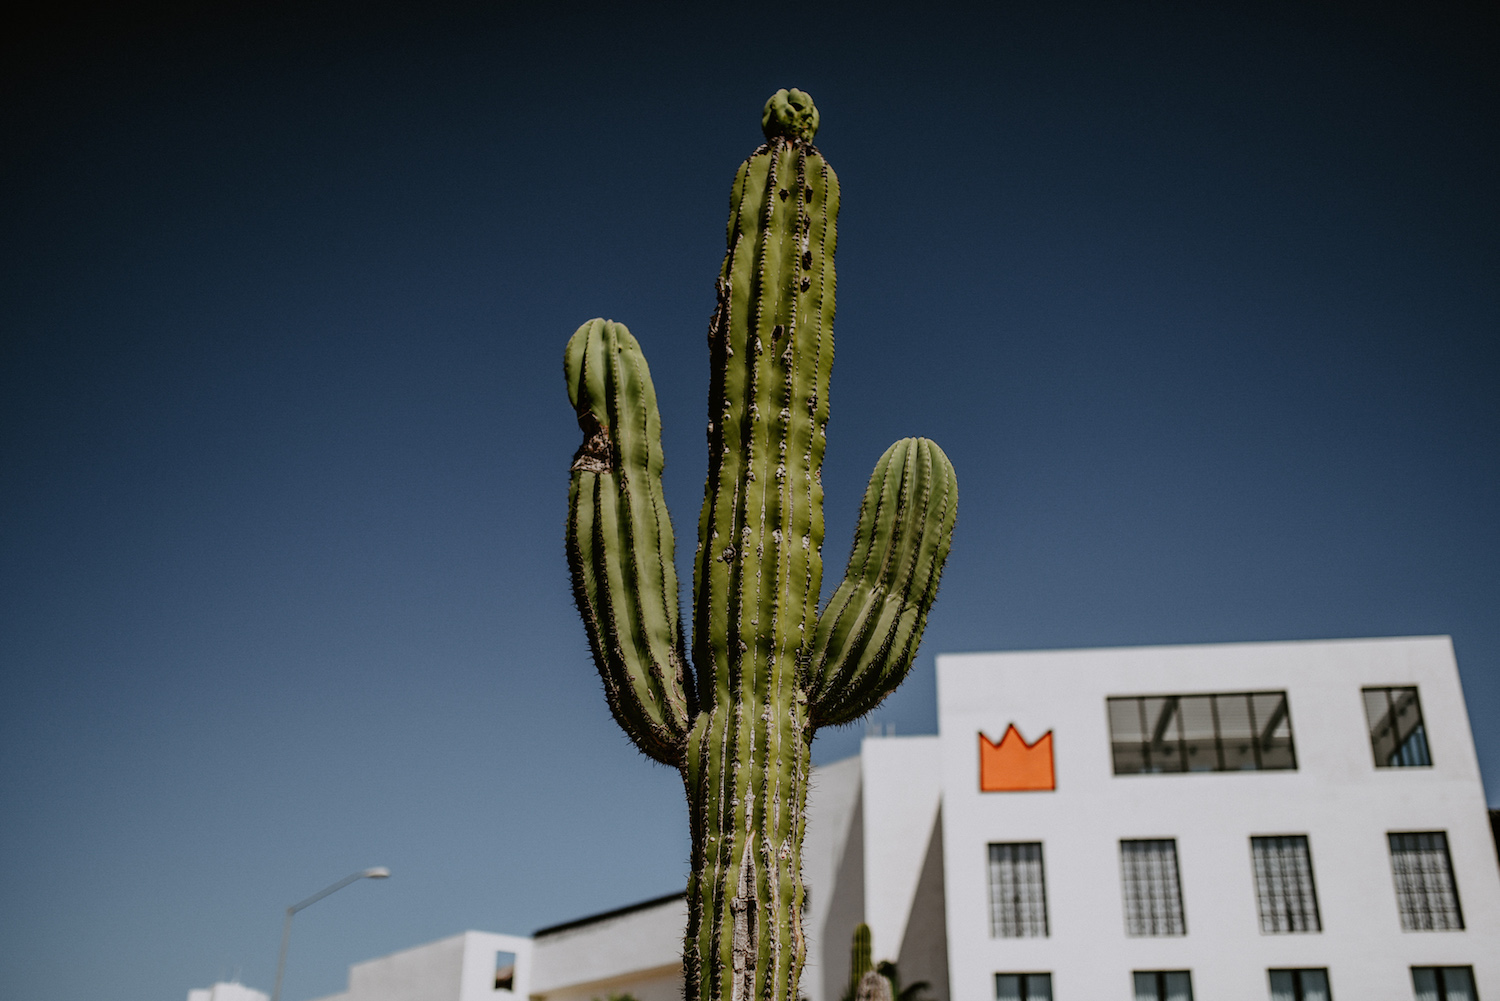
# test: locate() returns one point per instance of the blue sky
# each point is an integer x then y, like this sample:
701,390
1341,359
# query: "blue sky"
1202,304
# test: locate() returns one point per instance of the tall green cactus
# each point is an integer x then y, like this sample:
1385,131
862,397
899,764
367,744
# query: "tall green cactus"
767,669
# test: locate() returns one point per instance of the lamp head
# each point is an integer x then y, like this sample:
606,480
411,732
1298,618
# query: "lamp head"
379,872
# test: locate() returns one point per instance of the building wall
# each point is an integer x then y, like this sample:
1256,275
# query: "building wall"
459,968
227,992
833,871
1336,797
638,952
902,789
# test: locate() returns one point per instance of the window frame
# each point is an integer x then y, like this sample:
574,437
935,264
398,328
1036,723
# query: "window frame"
1161,982
1441,985
1265,889
1298,989
1037,896
1129,879
1419,731
1024,976
1418,887
1174,753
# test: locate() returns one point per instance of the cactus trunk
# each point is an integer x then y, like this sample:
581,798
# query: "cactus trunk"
746,780
768,669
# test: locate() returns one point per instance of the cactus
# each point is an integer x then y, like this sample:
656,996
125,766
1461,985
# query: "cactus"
767,670
861,960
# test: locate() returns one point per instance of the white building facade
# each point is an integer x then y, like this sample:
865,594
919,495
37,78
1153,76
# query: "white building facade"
1281,820
1286,821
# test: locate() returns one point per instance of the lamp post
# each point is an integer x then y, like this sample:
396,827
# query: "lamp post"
378,872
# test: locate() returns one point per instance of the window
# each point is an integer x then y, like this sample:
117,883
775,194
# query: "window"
1023,987
1153,893
505,971
1396,732
1234,732
1425,890
1284,891
1444,983
1299,985
1163,985
1018,891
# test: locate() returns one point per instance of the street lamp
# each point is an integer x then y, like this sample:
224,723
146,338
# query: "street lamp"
378,872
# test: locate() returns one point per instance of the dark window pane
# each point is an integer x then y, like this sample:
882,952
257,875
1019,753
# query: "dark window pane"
1397,735
1200,744
1023,987
1299,985
1444,983
1127,736
1164,735
1236,733
1274,723
1163,985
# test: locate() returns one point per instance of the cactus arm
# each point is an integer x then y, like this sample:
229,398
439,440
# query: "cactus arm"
868,634
620,543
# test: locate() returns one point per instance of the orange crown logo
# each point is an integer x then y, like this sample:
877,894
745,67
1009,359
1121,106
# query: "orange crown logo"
1014,765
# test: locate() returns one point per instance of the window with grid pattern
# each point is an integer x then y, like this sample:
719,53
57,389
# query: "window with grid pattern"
1299,985
1397,735
1023,987
1018,891
1284,890
1153,891
1163,985
1228,732
1425,891
1444,983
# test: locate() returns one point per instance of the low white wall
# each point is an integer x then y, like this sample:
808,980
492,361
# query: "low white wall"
605,951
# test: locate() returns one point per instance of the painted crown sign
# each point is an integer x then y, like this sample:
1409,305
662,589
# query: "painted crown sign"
1014,765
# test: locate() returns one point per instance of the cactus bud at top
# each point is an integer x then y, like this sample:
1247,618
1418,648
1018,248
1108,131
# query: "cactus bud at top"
790,113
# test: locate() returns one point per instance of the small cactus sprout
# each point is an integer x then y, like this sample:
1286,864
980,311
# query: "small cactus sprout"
860,958
767,669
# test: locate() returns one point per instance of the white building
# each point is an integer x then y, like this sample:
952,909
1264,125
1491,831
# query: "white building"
226,991
1323,812
1283,821
473,966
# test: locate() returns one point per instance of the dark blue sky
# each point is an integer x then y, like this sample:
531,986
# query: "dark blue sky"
1202,303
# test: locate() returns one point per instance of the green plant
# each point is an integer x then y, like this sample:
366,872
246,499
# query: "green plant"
768,669
859,958
915,991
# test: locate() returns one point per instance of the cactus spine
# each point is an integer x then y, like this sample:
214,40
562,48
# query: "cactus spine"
767,668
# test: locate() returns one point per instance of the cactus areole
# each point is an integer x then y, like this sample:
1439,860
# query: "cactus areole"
767,669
